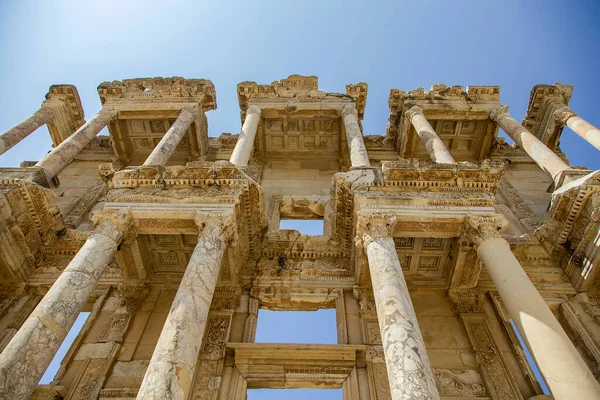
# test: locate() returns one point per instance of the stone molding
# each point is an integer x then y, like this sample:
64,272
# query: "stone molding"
159,90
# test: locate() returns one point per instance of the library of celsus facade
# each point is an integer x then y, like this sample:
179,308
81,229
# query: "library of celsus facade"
440,242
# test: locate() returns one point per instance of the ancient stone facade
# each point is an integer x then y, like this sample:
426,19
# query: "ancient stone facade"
438,237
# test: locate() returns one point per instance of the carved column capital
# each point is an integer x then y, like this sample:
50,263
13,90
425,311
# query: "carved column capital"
213,224
479,228
348,109
254,109
374,225
414,110
497,112
562,114
117,225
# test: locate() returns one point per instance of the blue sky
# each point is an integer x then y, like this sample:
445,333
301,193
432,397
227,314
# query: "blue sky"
391,44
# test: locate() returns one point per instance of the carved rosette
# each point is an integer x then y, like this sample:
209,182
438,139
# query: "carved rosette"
374,225
563,114
479,228
116,225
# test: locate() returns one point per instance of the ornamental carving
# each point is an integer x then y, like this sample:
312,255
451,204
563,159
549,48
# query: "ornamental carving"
374,225
479,228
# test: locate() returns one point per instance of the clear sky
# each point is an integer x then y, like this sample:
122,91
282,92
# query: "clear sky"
393,44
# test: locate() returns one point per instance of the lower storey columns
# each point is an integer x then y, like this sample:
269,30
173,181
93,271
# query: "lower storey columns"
243,147
14,135
537,150
561,365
432,142
589,132
26,357
171,369
169,142
63,154
359,158
409,371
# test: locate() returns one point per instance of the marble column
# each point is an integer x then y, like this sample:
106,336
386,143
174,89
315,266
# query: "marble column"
537,150
243,147
432,142
409,371
42,116
359,158
171,369
28,354
169,142
564,370
63,154
566,116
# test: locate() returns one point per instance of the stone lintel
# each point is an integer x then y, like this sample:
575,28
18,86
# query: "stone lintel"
296,365
159,91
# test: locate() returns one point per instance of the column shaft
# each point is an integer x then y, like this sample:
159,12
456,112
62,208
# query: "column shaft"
171,369
563,368
243,147
19,132
587,131
537,150
432,142
169,142
408,367
26,357
63,154
359,158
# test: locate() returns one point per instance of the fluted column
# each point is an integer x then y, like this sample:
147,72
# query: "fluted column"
559,361
566,116
432,142
243,147
169,142
171,369
359,158
63,154
409,371
42,116
537,150
28,354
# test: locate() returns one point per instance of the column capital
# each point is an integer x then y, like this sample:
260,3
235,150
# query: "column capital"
479,228
254,109
214,224
116,225
348,109
374,225
562,114
497,112
193,108
414,110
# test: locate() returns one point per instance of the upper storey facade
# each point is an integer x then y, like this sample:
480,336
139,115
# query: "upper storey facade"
438,219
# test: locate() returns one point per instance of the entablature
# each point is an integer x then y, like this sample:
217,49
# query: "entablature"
460,119
147,108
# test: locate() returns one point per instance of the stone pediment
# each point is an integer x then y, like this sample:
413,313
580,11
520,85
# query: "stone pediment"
460,118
